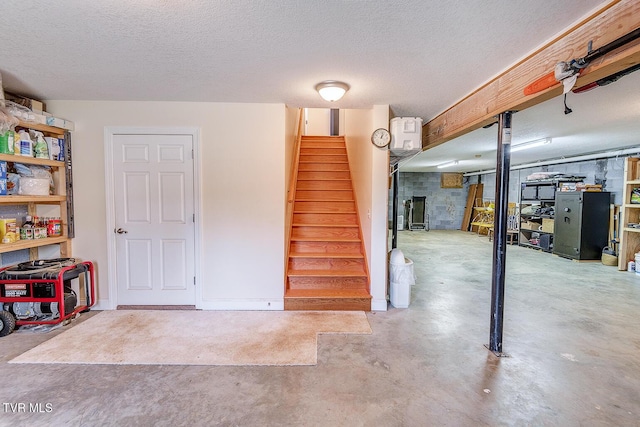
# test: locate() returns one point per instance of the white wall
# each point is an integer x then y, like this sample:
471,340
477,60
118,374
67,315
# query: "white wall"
370,173
242,163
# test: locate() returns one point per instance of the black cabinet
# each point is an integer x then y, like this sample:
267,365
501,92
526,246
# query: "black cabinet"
581,227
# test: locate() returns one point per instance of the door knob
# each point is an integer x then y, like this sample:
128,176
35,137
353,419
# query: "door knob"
121,231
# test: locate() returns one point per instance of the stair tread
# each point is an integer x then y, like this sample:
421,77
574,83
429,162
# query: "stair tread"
324,200
297,224
324,179
331,293
323,161
325,255
326,212
324,239
327,273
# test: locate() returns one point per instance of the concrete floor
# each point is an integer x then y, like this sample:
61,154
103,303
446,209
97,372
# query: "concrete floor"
572,331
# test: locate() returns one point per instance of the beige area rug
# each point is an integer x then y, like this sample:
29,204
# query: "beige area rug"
192,337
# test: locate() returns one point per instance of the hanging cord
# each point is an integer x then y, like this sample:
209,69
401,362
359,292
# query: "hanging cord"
567,110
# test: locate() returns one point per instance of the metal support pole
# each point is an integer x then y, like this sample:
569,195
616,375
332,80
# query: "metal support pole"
500,232
394,220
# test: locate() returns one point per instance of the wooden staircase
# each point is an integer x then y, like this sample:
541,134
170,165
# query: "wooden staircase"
326,267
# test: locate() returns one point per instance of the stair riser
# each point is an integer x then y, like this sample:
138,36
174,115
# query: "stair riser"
331,233
328,283
334,206
324,195
345,248
321,167
349,304
323,185
328,218
322,151
299,264
321,158
321,144
323,175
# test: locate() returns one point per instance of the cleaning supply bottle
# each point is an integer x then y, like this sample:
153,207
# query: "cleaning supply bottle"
16,143
40,148
6,142
26,144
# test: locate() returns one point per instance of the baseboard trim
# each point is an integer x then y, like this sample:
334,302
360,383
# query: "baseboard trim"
102,304
156,307
242,304
379,305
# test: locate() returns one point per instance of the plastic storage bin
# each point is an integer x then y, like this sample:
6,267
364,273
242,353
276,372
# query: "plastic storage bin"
406,136
401,278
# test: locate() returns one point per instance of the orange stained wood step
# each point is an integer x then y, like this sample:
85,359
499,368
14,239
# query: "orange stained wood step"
327,268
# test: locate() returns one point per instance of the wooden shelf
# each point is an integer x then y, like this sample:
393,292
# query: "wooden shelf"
40,200
59,169
31,160
28,244
630,213
42,128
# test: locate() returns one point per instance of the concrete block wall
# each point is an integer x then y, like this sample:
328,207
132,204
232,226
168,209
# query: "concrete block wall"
445,206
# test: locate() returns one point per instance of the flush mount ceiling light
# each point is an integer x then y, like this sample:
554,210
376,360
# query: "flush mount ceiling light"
530,144
448,164
332,90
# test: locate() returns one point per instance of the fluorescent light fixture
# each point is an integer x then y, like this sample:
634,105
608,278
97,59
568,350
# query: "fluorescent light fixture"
530,144
332,90
448,164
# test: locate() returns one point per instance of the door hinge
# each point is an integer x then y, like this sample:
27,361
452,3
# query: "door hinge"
194,280
194,218
192,155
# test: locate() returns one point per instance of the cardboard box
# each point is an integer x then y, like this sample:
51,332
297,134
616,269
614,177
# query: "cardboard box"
8,229
54,147
32,104
60,123
547,225
529,225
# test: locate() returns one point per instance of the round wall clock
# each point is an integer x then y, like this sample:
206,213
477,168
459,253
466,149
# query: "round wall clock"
381,137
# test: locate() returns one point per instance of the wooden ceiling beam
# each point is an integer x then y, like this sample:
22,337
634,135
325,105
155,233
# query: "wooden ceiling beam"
505,92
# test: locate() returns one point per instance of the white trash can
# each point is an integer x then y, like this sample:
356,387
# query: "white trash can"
400,279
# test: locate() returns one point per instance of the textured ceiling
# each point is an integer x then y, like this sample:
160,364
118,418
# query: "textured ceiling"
418,56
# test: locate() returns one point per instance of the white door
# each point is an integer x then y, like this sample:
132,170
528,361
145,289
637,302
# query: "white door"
317,121
154,219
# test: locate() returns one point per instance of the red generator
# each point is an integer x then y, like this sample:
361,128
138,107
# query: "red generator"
41,292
